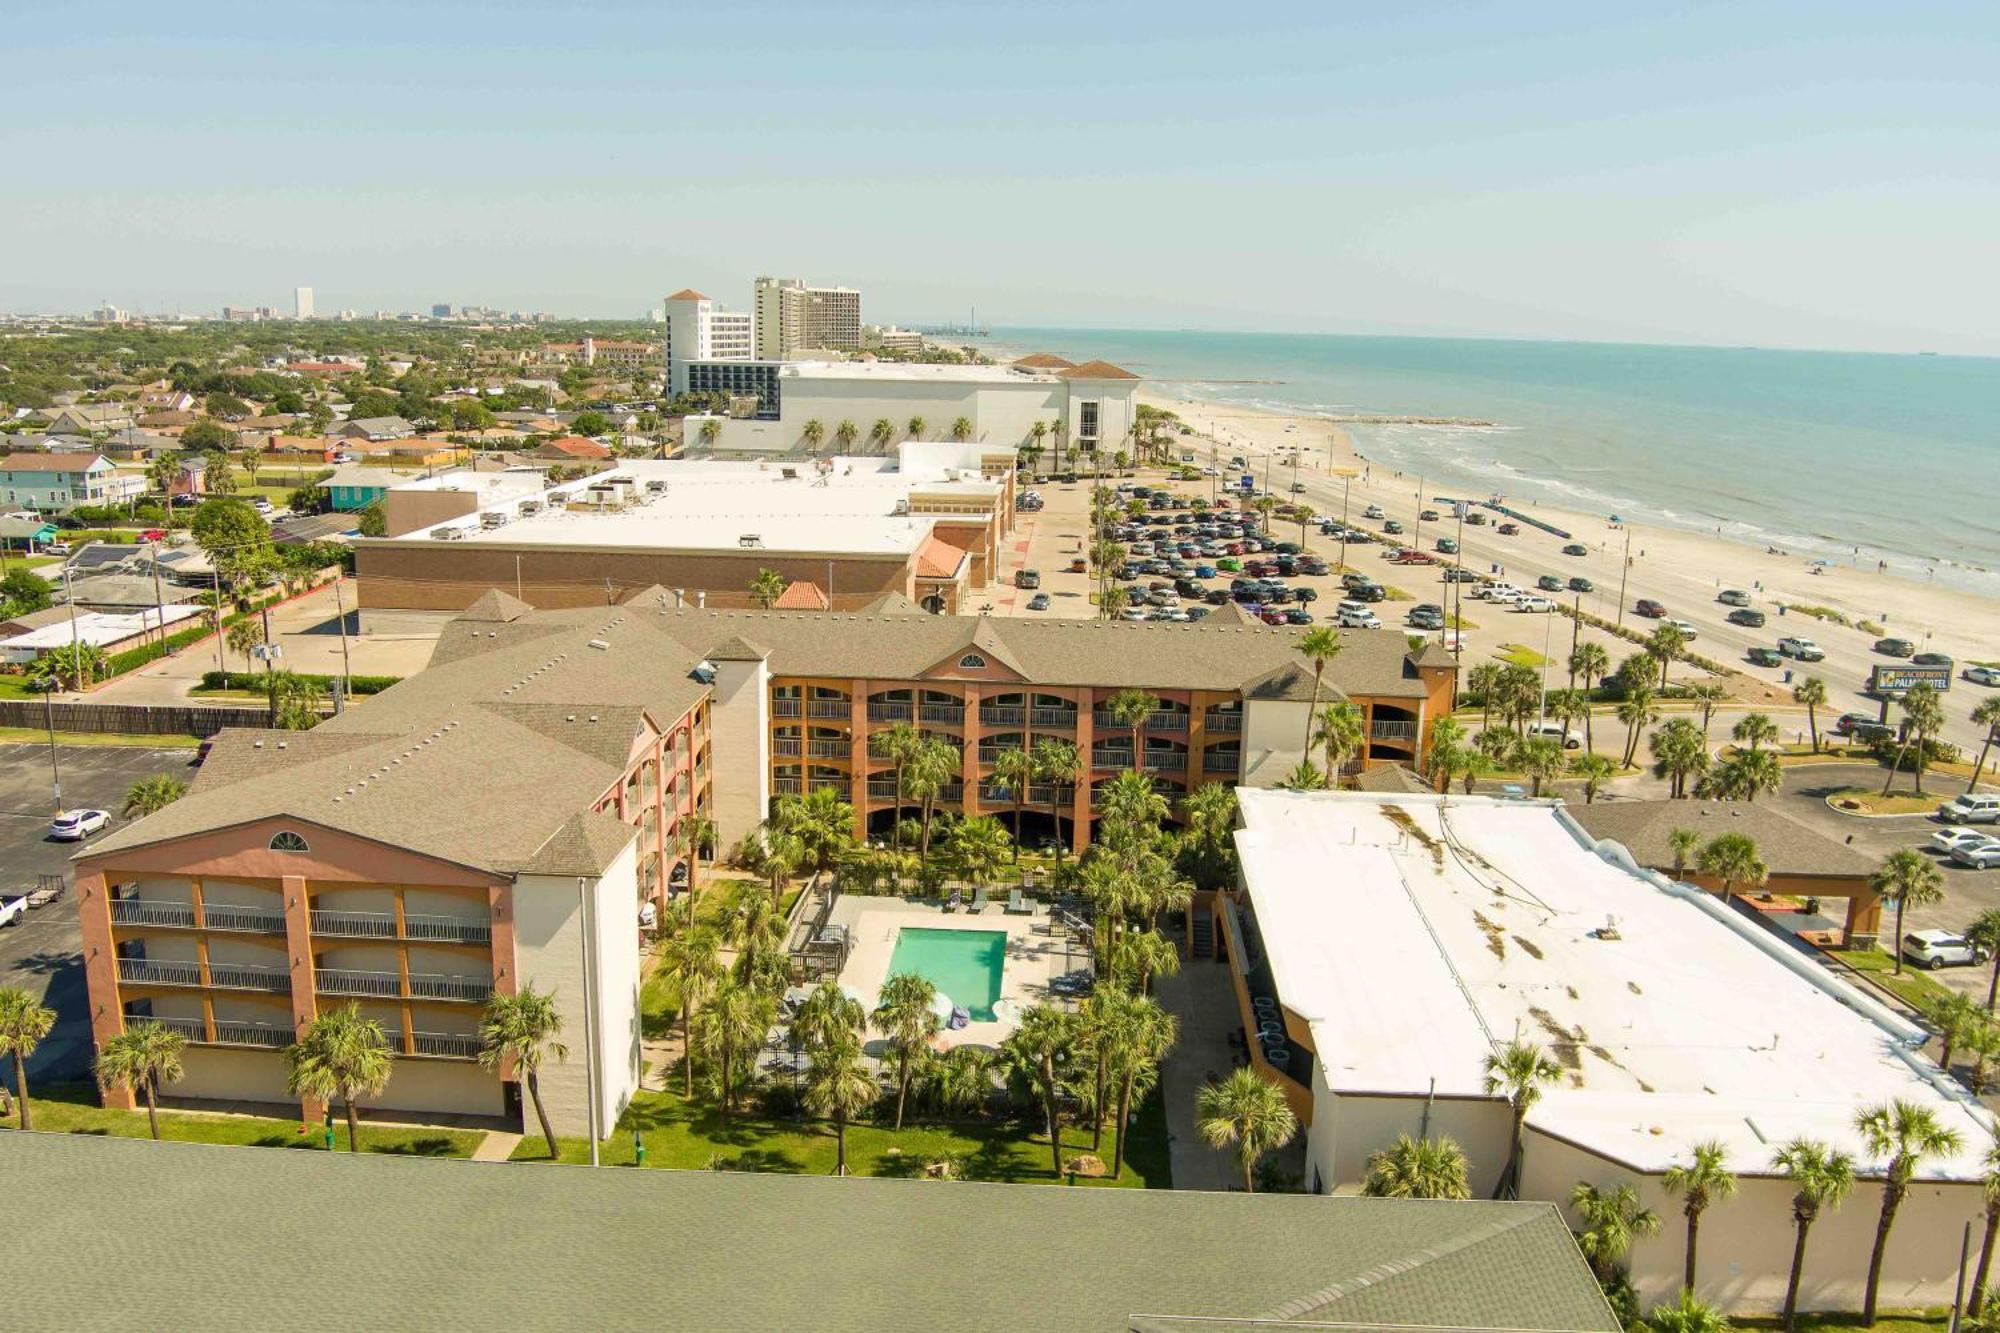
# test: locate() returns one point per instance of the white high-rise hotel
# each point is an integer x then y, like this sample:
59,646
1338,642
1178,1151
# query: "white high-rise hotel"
302,303
699,329
792,317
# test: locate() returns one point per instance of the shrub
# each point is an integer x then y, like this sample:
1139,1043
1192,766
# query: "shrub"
1884,749
254,680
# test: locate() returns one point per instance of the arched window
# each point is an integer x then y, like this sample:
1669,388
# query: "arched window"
972,662
284,840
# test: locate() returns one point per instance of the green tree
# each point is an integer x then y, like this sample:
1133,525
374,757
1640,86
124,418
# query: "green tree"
821,821
67,666
916,427
1755,730
1923,717
829,1017
1810,693
1952,1017
1595,771
1821,1178
844,435
1131,709
905,1014
233,536
1679,753
523,1029
731,1028
696,837
767,588
1045,1041
813,433
245,637
1014,770
1688,1314
23,590
881,432
1986,715
961,428
369,521
1704,1180
1906,878
591,424
142,1057
976,847
152,794
1418,1169
692,962
1318,645
1588,662
1518,1071
1142,1035
1341,731
1903,1134
1683,842
1637,710
897,743
1667,643
1248,1111
1541,758
1707,695
207,437
1613,1220
932,767
1984,933
1989,1189
839,1087
1059,764
341,1055
1733,859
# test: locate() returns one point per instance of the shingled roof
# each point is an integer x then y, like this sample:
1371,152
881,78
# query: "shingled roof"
1644,828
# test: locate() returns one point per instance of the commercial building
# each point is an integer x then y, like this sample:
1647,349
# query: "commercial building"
58,483
462,1245
302,303
112,632
1383,946
791,316
1093,405
593,351
351,864
699,329
926,525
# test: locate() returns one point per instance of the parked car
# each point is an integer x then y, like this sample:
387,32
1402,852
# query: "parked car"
1687,629
1765,657
1753,619
13,910
1359,617
1425,617
1574,548
1649,608
1531,602
1895,647
1571,740
1733,597
1933,949
1970,808
1804,649
1982,675
1578,583
1039,602
1460,574
1978,855
1027,578
1847,723
1367,592
1945,839
76,825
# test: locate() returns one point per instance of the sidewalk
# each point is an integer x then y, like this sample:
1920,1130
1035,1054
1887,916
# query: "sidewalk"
1201,998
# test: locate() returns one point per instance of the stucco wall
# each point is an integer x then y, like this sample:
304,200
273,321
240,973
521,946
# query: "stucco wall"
740,734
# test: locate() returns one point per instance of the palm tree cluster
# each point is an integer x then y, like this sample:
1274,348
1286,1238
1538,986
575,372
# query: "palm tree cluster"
1923,719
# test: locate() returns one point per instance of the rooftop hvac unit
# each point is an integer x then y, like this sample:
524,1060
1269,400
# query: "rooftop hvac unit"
902,507
447,534
750,539
493,518
531,507
657,486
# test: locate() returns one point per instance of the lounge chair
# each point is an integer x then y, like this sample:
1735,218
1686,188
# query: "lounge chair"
953,903
1016,903
978,900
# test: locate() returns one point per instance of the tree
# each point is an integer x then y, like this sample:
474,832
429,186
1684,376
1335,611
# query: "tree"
67,666
977,846
1667,643
905,1014
1637,710
245,637
897,743
839,1087
1906,878
1732,858
697,838
1989,1189
915,426
1595,771
23,590
1318,645
767,588
813,433
591,424
1707,696
293,700
844,434
1679,753
1744,774
1903,1134
1590,662
1986,715
342,1055
881,432
1568,707
1541,758
1688,1314
1042,1042
1142,1035
1131,709
693,963
1418,1169
1484,681
369,521
710,431
1207,847
1518,1071
522,1029
1952,1016
1058,763
1923,717
822,822
148,795
1821,1178
1810,693
207,437
1704,1180
233,536
1755,730
1014,770
1683,842
142,1057
733,1025
1340,730
1984,933
961,428
1248,1111
1612,1220
933,765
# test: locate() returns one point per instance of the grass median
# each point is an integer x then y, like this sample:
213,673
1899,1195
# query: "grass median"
73,1109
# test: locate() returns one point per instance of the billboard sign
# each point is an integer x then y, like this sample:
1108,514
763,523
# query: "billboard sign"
1895,677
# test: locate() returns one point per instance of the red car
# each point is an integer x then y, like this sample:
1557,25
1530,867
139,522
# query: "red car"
1271,615
153,535
1648,608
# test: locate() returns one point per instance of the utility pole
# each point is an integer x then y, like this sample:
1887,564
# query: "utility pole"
1417,533
1624,571
269,650
55,767
517,577
159,599
1346,485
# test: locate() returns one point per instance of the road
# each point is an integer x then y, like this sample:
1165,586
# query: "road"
44,954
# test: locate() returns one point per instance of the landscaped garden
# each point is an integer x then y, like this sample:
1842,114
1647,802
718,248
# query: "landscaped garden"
72,1108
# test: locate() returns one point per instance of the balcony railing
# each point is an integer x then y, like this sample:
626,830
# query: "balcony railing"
950,715
884,789
1061,718
828,749
362,925
1219,720
786,786
1221,761
787,708
890,712
192,1029
423,985
1039,794
253,1034
382,926
158,972
1161,719
261,920
990,754
1120,756
1393,731
789,747
831,708
452,1045
138,912
1002,716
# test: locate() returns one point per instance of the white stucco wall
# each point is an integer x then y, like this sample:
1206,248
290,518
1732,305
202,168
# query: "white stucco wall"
739,725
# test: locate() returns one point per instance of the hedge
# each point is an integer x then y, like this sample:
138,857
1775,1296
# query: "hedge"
133,658
252,680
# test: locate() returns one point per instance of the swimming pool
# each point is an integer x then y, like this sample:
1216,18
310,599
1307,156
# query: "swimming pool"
963,964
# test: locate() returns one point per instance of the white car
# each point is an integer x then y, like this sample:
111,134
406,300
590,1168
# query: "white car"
1530,602
1557,731
13,910
1372,511
1688,631
76,825
1134,613
1982,675
1945,840
1357,618
1934,949
1968,808
1804,649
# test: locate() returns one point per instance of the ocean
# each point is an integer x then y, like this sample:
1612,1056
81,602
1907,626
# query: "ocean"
1817,453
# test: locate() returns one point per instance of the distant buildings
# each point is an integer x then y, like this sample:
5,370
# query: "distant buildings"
600,352
791,317
699,329
302,303
441,311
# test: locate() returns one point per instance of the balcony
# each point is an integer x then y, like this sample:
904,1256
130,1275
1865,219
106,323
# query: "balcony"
191,1029
884,789
448,1045
891,712
151,972
1038,795
990,754
1002,716
388,985
268,1035
839,709
258,920
1120,756
787,786
949,715
138,912
382,926
1161,719
1393,731
1063,719
1221,761
787,747
787,708
829,749
1216,719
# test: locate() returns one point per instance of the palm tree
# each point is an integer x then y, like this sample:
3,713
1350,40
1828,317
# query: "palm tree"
340,1055
70,666
977,846
1209,816
244,637
916,427
1568,707
829,1017
1704,1180
1247,1110
1131,708
1984,933
1418,1169
1733,859
839,1086
897,743
1589,661
1821,1178
1032,451
1484,681
1595,770
1340,730
821,821
767,588
1748,772
1541,758
844,434
1518,1070
1043,1041
1810,693
1612,1220
881,432
961,428
1923,716
1679,753
697,833
1683,842
1952,1016
1143,955
1755,730
1987,715
1989,1189
1014,769
1904,1134
522,1029
1058,763
957,1082
904,1014
1667,643
1144,1034
932,766
1906,878
1318,645
1707,696
1637,711
24,1021
1688,1314
155,793
692,961
142,1057
813,433
733,1024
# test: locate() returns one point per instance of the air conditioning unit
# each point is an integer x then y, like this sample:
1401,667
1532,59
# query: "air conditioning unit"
530,507
493,518
447,534
657,486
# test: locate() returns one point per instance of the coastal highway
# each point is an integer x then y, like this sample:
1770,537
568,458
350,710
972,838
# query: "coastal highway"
1686,595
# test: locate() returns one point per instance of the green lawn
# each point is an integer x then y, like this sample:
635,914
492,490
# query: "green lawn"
73,1109
1872,802
691,1136
17,687
11,735
1888,1321
1520,655
1912,987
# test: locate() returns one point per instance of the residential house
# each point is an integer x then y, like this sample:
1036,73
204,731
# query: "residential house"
87,418
375,428
58,483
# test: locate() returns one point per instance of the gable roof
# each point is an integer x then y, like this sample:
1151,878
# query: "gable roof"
687,294
1044,361
802,595
495,605
1644,828
577,446
1096,370
938,558
586,844
20,462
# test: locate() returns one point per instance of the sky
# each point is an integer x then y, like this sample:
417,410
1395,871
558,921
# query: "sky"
1802,174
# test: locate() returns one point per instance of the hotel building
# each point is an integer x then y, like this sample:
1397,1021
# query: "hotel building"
699,329
791,316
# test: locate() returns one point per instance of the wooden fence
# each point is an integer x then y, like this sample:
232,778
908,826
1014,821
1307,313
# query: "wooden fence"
128,719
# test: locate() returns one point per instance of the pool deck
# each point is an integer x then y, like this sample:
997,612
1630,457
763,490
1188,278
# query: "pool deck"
1036,953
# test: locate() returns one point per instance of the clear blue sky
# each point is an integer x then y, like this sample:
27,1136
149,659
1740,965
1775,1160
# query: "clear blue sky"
1822,174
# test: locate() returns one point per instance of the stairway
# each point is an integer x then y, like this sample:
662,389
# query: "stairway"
1203,935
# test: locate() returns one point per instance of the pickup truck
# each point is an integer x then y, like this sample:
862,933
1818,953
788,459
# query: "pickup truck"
13,910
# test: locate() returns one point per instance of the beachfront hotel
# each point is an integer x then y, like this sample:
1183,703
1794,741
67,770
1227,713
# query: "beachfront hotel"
699,329
477,827
1381,946
792,317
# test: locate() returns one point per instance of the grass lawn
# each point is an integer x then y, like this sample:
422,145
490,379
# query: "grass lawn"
1871,801
1912,987
1887,1321
692,1137
11,735
73,1109
1515,654
18,687
251,696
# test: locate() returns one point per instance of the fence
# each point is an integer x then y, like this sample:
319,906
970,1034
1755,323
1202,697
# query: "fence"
128,719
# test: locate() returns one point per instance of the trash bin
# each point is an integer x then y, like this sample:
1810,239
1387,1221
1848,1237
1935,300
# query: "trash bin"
1788,675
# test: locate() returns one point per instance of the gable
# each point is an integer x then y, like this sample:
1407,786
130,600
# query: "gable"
246,851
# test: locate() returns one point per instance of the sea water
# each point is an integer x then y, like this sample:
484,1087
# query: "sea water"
1855,457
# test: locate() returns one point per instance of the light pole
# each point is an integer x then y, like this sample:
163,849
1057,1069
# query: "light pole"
1624,572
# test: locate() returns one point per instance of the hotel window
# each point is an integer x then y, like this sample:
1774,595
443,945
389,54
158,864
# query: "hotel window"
972,662
1086,421
287,841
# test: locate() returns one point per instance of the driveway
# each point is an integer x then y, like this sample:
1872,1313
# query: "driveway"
44,954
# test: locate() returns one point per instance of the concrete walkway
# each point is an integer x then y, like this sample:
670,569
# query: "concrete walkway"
497,1146
1202,999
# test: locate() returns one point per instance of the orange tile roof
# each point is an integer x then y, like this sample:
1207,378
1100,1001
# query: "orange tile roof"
687,294
1044,361
577,446
801,595
938,559
1097,370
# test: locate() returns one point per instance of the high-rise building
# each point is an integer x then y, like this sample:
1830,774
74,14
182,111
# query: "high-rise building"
302,303
699,329
792,316
441,311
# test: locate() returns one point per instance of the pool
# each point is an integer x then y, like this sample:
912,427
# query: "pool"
963,964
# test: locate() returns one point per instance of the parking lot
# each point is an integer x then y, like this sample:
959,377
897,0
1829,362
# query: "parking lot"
44,954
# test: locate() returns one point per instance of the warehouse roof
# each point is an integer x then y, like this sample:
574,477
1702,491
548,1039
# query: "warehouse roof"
462,1244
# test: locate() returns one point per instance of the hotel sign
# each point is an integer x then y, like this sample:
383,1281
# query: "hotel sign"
1897,677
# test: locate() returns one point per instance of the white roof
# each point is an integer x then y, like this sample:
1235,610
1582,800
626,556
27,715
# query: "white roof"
1415,935
93,627
908,370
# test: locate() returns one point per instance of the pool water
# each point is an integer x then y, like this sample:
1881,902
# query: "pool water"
963,964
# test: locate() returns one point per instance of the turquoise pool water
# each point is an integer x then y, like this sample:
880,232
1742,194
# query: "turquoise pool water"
962,964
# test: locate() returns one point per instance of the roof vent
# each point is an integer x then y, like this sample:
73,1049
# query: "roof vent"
281,745
256,745
598,644
593,717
